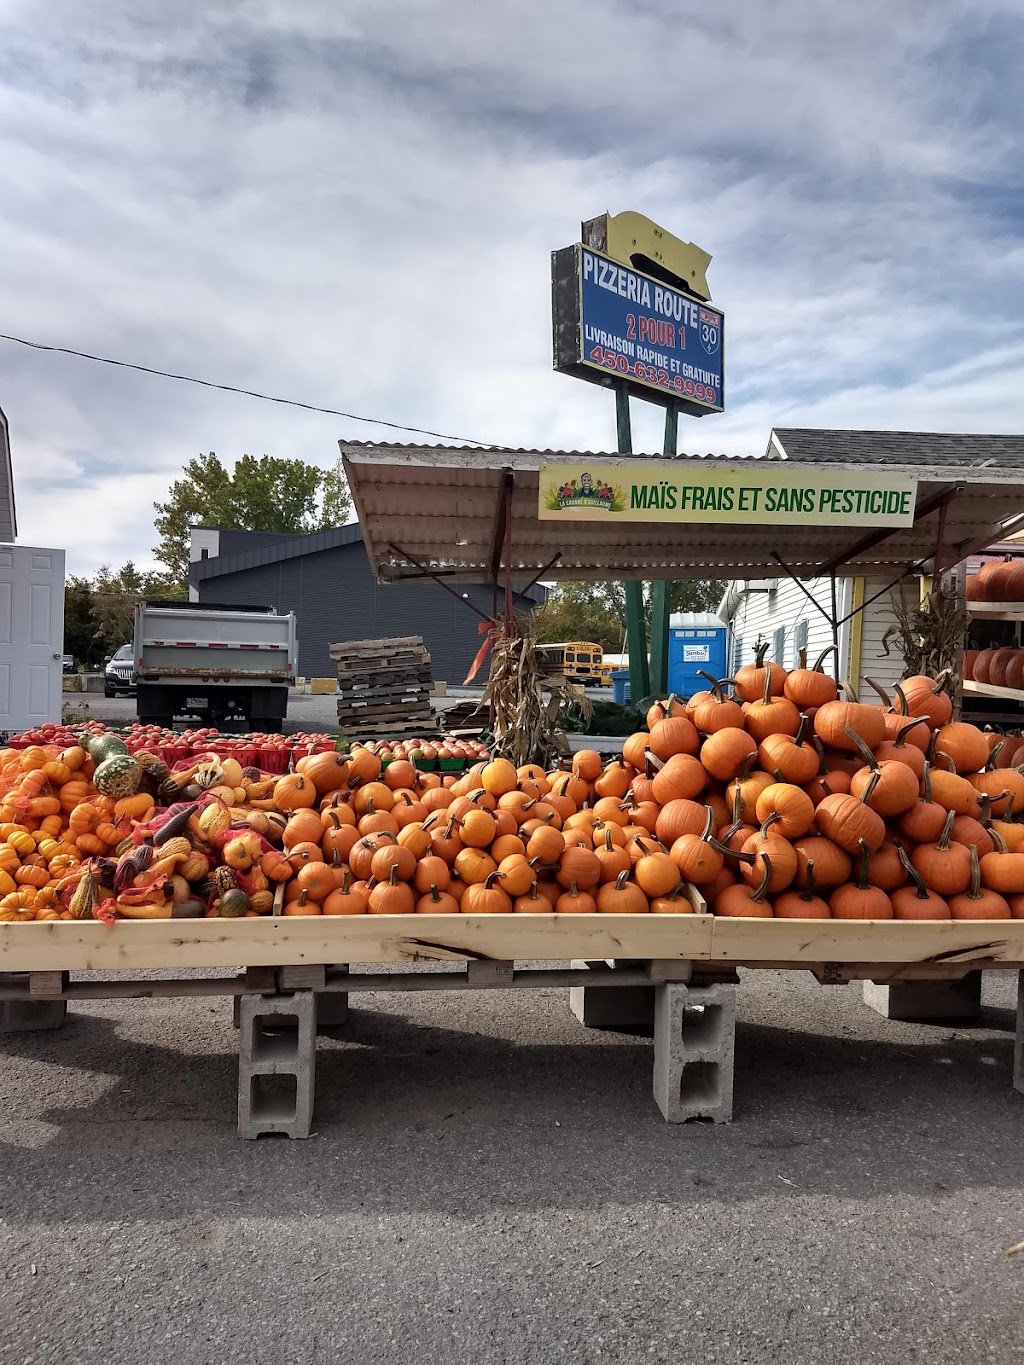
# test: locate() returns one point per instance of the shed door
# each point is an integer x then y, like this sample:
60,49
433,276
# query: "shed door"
31,636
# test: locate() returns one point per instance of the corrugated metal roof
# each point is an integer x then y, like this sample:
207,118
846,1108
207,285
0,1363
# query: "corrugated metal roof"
437,505
837,446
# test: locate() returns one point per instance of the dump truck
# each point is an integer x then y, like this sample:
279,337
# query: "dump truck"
220,664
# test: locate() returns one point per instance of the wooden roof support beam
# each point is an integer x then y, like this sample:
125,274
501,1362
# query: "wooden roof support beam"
501,524
874,538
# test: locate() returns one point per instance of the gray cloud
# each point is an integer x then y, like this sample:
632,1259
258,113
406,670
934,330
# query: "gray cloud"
354,205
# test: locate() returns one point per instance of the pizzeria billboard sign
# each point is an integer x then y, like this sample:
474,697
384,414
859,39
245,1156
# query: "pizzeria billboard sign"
765,493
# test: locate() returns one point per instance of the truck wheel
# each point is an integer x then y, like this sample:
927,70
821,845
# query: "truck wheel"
272,726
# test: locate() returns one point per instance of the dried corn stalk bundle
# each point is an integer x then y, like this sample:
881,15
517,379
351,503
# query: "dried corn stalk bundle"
931,636
527,703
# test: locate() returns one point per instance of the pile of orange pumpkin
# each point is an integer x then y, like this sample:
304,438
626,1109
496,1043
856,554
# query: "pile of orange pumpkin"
780,800
770,795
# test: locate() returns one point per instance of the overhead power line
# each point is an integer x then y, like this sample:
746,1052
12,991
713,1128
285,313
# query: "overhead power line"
233,388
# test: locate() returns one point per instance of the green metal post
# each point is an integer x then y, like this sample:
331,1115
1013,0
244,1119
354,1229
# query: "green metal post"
661,588
636,632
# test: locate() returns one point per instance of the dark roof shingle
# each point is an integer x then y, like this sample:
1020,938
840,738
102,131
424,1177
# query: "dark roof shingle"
814,445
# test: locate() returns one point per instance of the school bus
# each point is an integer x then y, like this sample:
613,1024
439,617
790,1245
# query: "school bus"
579,660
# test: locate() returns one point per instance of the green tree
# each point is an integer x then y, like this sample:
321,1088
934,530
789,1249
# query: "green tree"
597,611
262,493
80,625
115,595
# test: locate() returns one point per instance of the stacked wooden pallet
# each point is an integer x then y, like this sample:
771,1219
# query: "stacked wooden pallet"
384,688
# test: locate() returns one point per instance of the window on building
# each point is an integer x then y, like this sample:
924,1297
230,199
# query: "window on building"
799,641
778,643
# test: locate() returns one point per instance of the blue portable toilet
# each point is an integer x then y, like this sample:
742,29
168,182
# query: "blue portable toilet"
698,642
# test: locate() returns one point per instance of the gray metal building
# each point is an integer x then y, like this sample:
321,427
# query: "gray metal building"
325,579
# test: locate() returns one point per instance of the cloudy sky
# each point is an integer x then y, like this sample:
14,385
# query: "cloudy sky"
354,204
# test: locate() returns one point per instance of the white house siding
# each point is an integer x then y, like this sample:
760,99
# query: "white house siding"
778,611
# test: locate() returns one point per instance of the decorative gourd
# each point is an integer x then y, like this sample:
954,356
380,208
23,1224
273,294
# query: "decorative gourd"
750,679
809,688
804,904
976,903
788,808
117,776
725,754
234,903
917,901
717,711
859,899
849,821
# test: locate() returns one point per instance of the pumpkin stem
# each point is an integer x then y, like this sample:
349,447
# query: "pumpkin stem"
994,753
926,783
801,658
805,720
869,790
947,832
975,889
943,682
808,893
489,883
766,695
822,765
819,664
653,761
915,876
864,880
877,687
985,801
870,760
846,687
901,697
709,824
620,880
901,736
941,753
998,840
723,848
760,650
716,685
435,895
737,807
773,819
346,880
762,890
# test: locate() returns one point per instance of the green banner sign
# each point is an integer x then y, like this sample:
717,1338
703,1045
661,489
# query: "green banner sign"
761,492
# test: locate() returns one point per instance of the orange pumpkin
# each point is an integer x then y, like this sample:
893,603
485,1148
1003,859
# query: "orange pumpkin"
293,792
859,899
917,901
621,897
750,678
788,808
724,755
976,903
486,898
809,688
834,721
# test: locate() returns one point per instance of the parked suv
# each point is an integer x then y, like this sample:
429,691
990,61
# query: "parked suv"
119,675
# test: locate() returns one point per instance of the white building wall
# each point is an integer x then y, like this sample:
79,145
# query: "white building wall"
204,543
777,610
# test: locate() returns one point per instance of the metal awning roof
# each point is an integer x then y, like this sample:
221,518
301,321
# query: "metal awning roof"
442,510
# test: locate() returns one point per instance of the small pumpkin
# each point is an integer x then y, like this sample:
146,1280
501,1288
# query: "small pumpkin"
750,678
859,899
849,821
622,897
975,902
393,897
917,901
803,904
486,898
809,688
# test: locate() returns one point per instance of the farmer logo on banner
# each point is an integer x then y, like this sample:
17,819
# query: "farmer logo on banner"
584,491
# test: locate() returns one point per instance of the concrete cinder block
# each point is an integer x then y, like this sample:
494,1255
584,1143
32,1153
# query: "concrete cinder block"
922,1001
694,1051
27,1016
323,687
276,1064
1018,1047
612,1007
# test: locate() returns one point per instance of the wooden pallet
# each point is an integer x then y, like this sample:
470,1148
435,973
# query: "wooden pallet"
413,692
386,644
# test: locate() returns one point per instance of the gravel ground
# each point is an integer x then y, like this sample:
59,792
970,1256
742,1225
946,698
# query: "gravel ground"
491,1183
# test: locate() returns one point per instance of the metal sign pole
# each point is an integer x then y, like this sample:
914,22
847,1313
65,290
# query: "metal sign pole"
636,632
661,588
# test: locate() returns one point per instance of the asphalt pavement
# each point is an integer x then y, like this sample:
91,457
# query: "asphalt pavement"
490,1182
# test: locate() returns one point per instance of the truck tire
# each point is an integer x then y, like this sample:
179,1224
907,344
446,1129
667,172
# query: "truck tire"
273,725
